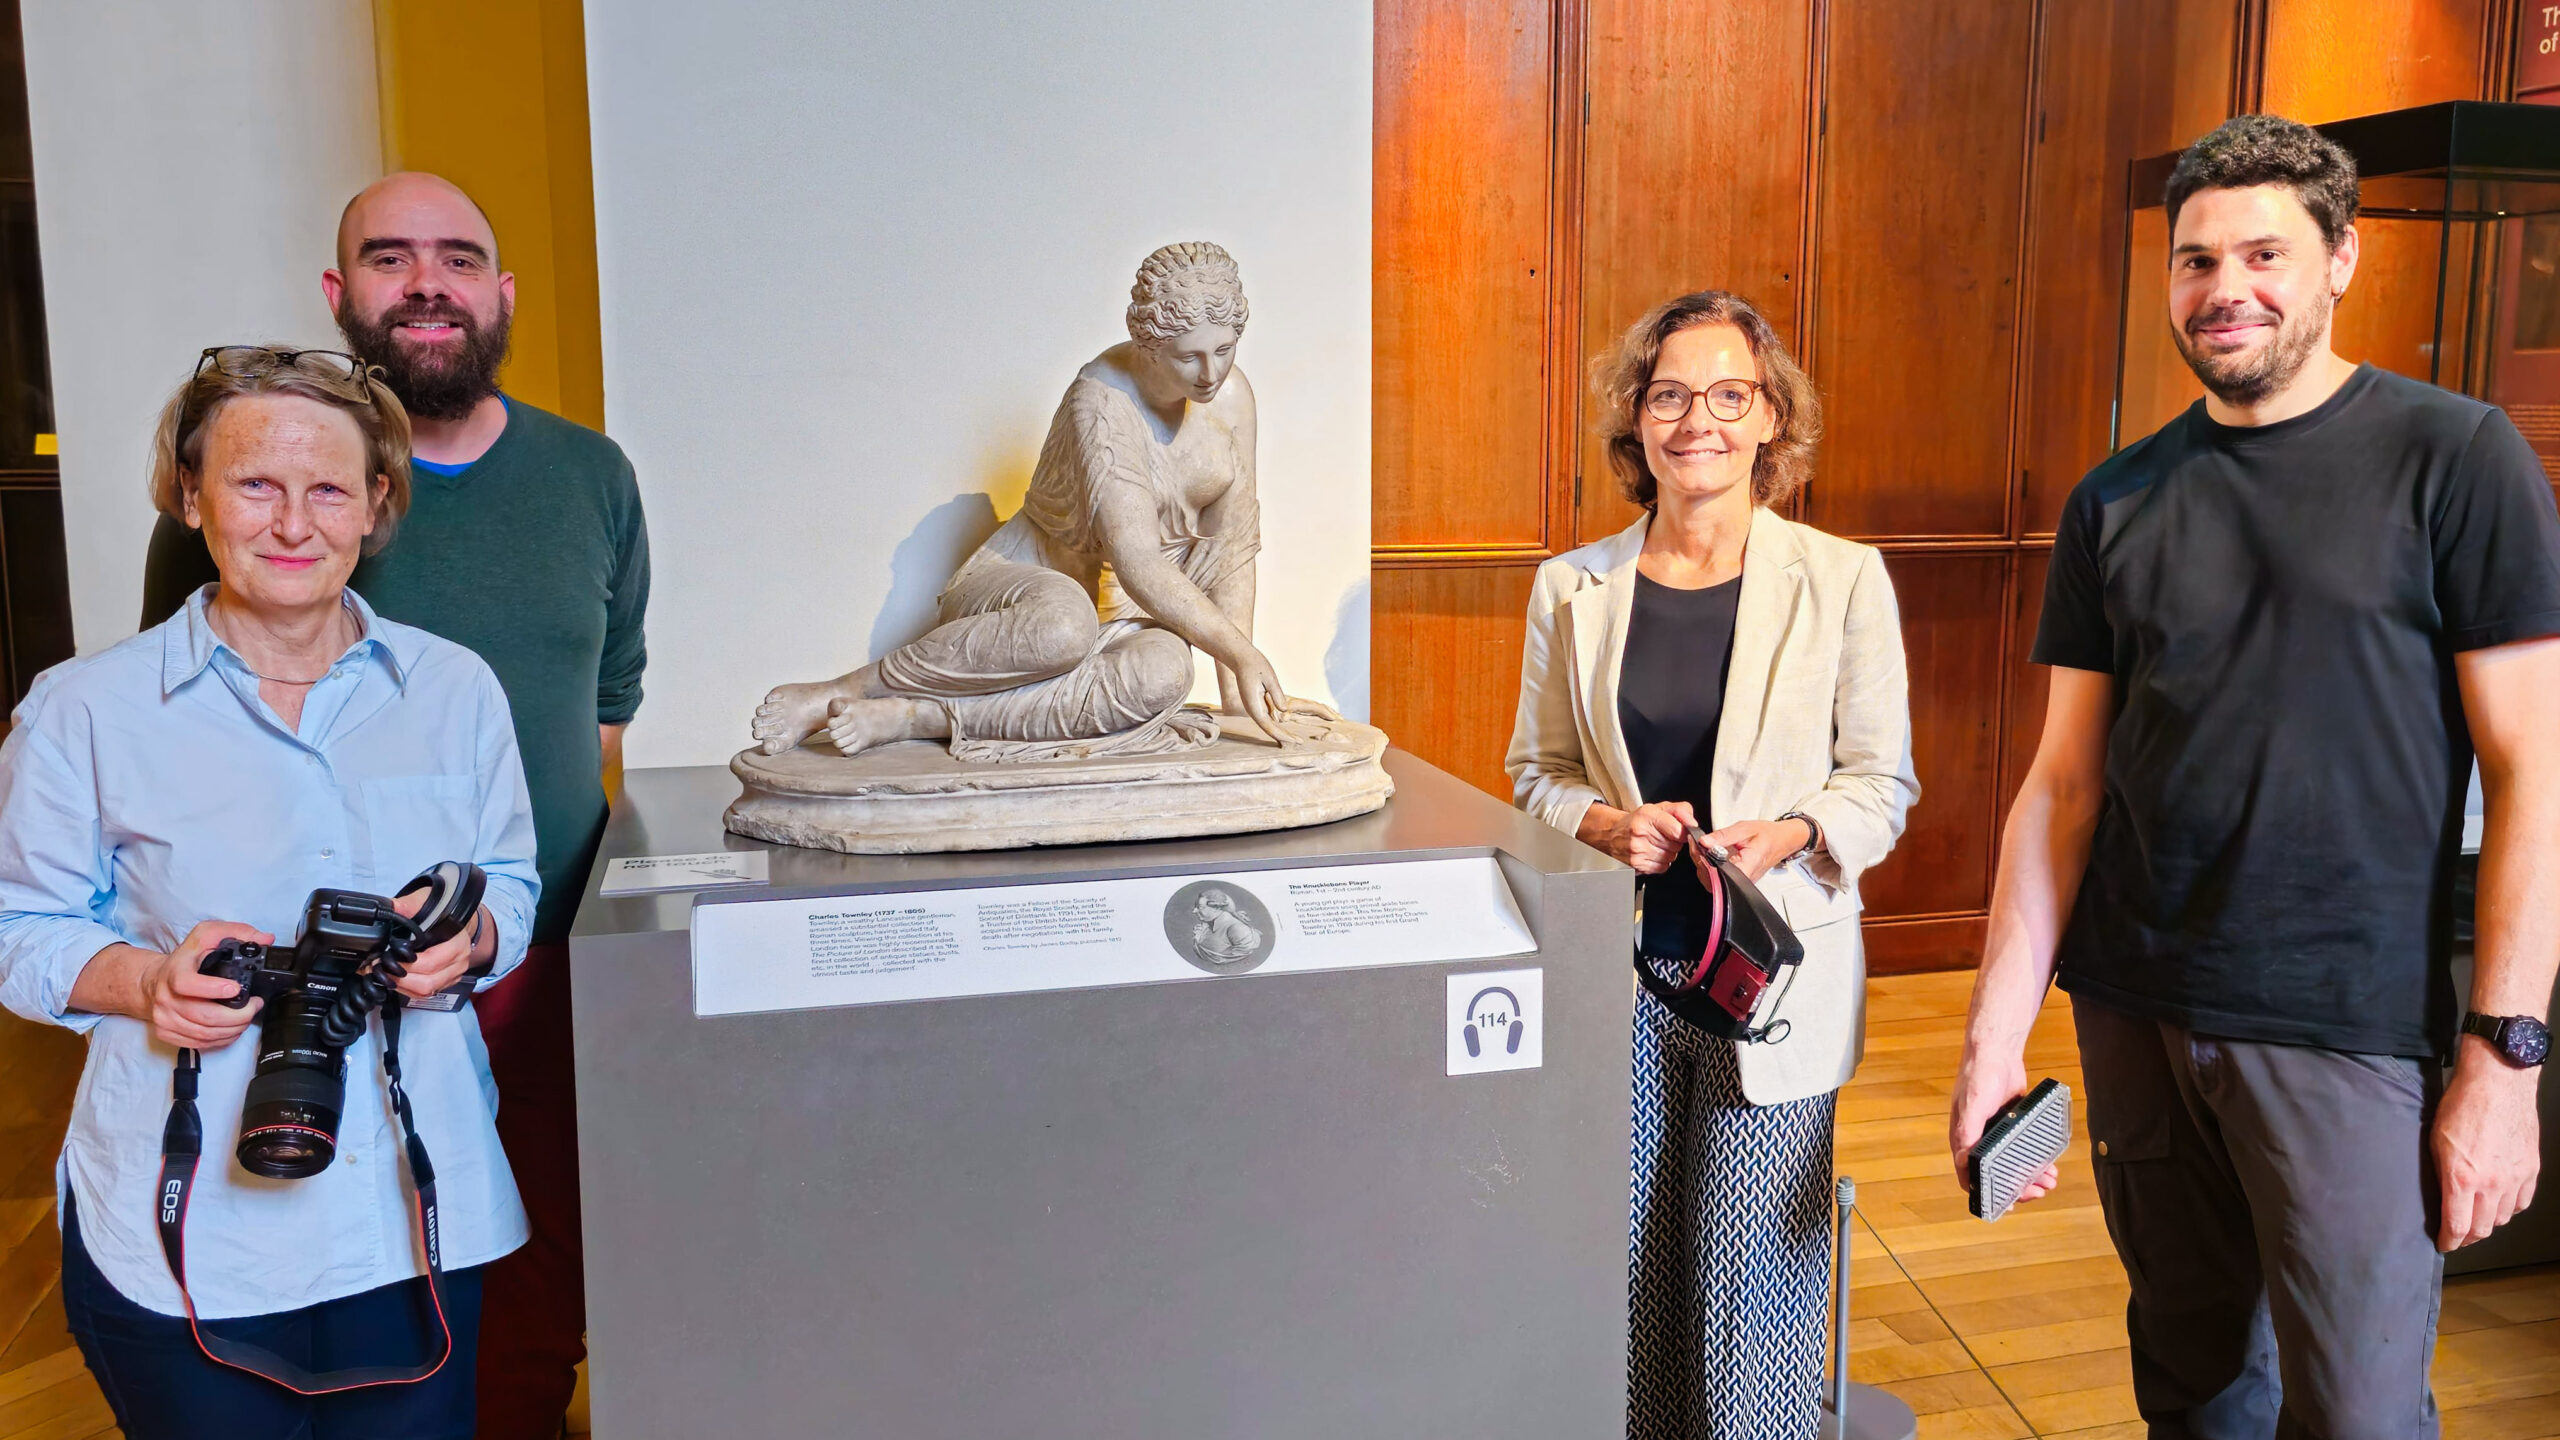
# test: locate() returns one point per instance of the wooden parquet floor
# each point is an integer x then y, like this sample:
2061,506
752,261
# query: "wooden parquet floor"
1989,1333
2000,1332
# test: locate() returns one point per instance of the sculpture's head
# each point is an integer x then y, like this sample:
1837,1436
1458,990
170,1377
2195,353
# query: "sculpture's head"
1186,314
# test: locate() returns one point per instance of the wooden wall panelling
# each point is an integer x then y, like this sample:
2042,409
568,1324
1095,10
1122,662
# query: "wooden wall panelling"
1461,145
2075,250
1447,668
2249,58
1869,172
2388,315
1570,125
2503,40
1953,604
1694,167
2203,86
1916,321
2118,80
2330,59
1471,272
1944,942
2327,60
2022,711
2157,382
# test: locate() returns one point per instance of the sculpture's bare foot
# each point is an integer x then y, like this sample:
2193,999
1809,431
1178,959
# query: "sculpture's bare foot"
855,725
793,713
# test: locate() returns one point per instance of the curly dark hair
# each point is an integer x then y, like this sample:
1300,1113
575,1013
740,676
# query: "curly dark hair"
2248,150
1619,378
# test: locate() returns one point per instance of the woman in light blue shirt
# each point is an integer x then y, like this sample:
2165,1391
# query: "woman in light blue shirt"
195,784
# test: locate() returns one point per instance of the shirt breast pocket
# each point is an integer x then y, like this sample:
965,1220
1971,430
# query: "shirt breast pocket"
417,820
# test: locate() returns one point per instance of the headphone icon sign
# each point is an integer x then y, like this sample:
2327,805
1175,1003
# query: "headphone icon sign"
1519,1025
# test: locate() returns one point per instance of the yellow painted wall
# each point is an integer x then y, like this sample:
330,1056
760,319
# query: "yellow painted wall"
492,95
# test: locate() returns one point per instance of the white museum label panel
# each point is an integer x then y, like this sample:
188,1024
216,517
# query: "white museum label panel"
649,874
800,954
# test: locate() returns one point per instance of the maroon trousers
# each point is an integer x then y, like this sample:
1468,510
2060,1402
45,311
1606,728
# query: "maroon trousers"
533,1305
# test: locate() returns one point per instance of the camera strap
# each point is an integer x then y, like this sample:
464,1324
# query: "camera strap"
182,1144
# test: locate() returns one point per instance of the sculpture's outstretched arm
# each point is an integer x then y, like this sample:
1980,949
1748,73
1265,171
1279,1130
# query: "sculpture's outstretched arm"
1237,511
1133,541
1234,597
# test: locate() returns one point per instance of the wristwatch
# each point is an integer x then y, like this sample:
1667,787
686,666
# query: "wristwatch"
479,969
2521,1040
1810,824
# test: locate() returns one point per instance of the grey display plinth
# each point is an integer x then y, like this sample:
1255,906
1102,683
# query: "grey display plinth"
1247,1206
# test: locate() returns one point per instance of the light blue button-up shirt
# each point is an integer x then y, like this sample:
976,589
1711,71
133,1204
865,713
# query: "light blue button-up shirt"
148,788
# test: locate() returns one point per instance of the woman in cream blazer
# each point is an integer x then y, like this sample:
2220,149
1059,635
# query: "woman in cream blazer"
1800,767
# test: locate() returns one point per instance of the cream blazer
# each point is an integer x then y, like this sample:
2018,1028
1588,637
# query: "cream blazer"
1817,718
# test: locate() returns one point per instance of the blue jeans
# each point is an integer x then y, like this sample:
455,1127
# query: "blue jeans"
163,1388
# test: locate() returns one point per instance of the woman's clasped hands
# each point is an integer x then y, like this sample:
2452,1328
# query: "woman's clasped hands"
1645,839
1648,837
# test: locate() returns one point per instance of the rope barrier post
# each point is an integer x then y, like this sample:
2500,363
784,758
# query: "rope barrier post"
1851,1411
1847,1197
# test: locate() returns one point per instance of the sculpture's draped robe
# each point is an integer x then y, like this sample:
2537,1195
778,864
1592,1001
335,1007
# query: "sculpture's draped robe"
1039,653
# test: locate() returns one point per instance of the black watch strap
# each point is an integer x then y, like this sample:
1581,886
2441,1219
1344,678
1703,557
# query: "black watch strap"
479,969
2520,1040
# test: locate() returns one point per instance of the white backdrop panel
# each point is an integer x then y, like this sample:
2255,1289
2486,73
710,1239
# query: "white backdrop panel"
190,164
851,255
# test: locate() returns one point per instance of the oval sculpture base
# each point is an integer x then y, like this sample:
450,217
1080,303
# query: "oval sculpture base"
913,798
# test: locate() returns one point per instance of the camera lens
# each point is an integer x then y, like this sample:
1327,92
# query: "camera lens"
289,1122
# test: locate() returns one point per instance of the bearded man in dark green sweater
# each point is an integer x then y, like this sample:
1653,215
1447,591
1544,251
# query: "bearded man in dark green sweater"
524,541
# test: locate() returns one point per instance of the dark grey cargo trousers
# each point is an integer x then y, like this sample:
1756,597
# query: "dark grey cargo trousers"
2273,1206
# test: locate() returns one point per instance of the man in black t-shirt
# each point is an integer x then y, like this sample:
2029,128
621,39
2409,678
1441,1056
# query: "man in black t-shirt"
2279,627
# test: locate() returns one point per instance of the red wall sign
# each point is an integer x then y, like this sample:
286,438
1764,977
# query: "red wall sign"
2538,52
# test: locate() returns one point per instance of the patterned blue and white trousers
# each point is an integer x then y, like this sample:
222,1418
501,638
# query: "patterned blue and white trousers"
1729,1246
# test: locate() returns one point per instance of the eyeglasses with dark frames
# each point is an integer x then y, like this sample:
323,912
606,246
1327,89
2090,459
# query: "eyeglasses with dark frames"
346,376
1670,402
262,359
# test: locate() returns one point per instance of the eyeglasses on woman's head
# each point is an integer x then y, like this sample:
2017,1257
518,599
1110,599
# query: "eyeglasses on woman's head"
264,359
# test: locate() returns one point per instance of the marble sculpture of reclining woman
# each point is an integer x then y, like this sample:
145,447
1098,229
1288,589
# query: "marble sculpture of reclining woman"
1069,632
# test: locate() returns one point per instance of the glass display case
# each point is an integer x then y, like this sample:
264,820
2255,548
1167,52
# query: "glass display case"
2458,285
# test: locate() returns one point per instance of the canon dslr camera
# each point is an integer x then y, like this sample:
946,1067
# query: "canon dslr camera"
321,991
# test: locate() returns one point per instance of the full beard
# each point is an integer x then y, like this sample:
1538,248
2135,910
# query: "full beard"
432,383
2248,379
